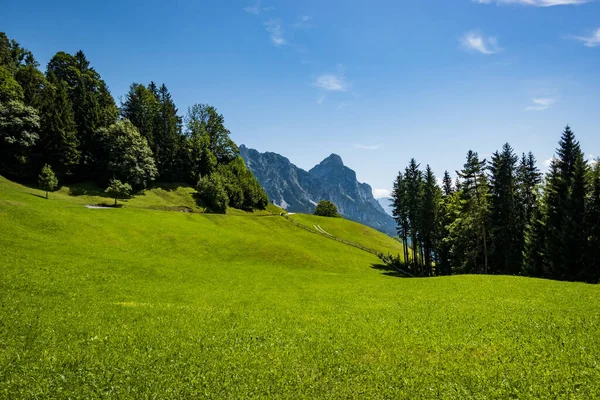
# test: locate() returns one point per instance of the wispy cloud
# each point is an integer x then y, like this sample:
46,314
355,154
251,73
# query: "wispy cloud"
331,83
475,41
303,22
592,40
275,29
379,193
366,147
535,3
257,9
540,104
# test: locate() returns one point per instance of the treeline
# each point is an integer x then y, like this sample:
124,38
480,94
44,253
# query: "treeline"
503,216
67,119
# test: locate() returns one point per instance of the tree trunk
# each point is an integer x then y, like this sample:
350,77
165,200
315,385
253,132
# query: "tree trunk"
115,201
46,194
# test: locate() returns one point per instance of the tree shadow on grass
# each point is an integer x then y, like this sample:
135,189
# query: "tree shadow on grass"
38,195
388,270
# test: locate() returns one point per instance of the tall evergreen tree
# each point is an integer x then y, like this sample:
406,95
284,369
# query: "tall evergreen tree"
563,204
141,108
414,196
505,254
470,231
167,136
58,144
429,216
591,271
400,212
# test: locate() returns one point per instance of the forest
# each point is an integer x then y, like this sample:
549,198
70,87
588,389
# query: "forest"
64,126
503,216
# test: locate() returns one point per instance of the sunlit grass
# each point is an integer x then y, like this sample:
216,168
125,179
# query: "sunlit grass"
141,303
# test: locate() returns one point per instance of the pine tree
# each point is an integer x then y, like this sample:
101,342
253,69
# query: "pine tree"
563,197
141,107
505,254
167,133
444,261
591,272
429,220
414,196
400,212
58,143
471,229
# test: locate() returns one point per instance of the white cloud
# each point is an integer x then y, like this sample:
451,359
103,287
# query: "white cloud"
256,9
365,147
331,83
540,104
321,99
273,26
548,162
379,193
535,3
475,41
593,40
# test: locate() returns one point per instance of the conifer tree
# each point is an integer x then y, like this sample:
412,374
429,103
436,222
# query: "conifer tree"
429,216
414,196
563,207
58,144
505,254
591,271
167,132
470,231
400,212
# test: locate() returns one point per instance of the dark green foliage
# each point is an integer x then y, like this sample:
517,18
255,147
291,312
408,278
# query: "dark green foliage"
326,208
505,229
58,144
10,90
212,193
400,212
118,190
47,180
33,82
19,127
204,119
242,189
591,269
565,192
74,116
129,156
469,230
141,108
430,210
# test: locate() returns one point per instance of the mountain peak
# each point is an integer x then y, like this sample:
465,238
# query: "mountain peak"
333,159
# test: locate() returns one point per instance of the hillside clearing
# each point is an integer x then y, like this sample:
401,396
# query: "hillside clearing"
143,303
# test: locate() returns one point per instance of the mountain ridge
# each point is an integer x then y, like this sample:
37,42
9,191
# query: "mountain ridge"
298,190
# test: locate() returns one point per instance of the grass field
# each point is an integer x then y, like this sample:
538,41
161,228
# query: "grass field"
141,303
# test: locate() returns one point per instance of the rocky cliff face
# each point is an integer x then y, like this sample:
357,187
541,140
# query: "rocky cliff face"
297,190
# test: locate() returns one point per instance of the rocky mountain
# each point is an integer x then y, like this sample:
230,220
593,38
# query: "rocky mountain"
297,190
386,204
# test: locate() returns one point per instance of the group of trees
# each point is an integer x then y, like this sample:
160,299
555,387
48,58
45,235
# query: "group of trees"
326,208
67,119
502,217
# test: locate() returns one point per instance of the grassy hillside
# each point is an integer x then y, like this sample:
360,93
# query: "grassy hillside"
142,303
352,231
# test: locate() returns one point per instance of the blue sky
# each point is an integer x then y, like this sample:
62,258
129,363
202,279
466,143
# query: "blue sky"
376,82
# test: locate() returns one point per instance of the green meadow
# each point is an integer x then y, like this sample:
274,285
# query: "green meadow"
146,301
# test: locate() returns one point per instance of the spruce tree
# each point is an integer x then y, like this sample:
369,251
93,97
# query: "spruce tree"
505,254
400,212
471,230
58,144
565,193
429,220
591,271
414,197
